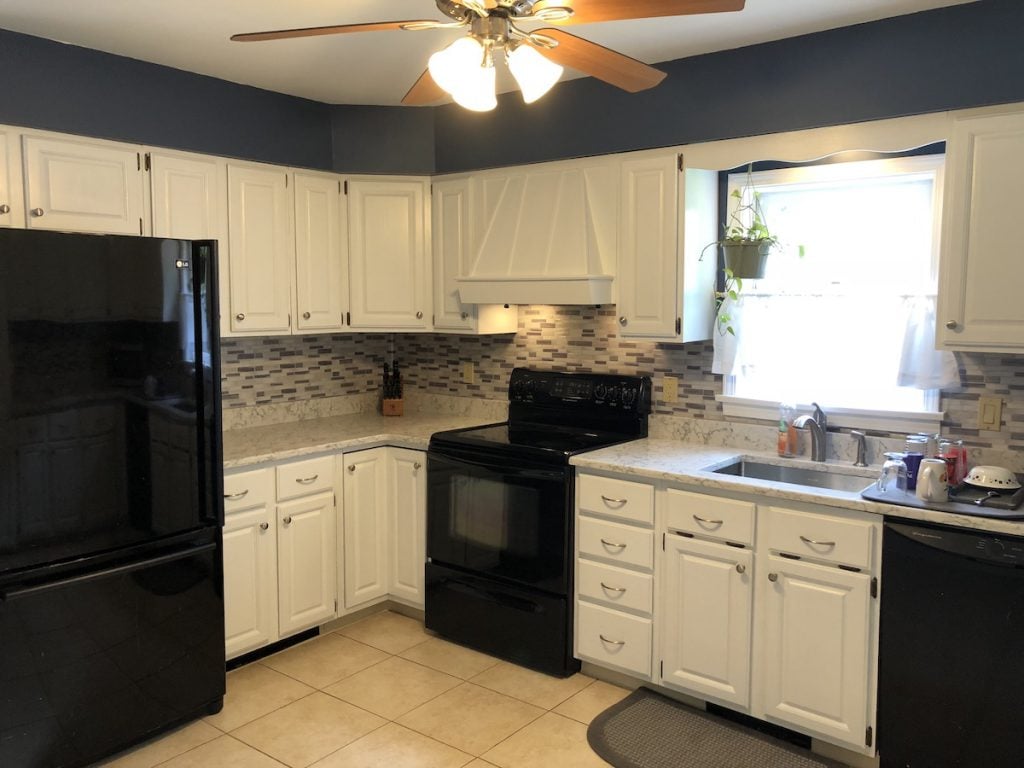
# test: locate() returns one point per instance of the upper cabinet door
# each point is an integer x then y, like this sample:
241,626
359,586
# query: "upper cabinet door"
321,253
648,261
388,254
981,268
262,250
84,186
12,212
188,196
452,242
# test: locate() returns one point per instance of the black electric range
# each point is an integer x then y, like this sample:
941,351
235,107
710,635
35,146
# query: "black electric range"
500,513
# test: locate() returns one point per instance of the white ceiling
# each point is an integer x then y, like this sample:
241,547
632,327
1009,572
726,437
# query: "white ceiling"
379,67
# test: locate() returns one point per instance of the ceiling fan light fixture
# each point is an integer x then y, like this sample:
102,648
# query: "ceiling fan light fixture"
476,91
449,66
534,73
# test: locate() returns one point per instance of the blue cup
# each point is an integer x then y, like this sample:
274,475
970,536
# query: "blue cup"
913,462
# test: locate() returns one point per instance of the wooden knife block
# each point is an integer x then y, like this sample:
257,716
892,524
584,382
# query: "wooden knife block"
395,407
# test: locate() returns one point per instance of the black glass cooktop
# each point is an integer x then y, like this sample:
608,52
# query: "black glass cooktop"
532,438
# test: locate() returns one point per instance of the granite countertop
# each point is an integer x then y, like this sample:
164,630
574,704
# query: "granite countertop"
692,465
276,442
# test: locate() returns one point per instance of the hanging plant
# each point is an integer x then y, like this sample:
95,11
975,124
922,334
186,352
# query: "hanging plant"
733,286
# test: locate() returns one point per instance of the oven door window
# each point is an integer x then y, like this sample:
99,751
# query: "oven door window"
500,519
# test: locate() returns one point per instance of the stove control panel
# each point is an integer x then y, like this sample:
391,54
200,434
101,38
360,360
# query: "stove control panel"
591,390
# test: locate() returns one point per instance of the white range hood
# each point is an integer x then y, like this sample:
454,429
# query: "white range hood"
547,235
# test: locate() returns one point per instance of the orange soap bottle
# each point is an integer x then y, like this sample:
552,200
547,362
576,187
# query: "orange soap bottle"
787,432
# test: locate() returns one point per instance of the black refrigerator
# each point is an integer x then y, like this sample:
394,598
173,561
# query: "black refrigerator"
111,504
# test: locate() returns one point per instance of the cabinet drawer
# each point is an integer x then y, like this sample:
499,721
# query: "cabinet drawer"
709,516
301,478
617,498
820,537
244,490
614,639
616,587
616,543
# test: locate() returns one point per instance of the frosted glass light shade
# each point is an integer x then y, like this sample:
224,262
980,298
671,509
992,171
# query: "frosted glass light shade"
534,73
449,65
476,91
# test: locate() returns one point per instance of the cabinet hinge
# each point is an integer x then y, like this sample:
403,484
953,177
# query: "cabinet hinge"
679,160
339,187
286,180
149,162
661,670
289,319
348,318
335,605
346,186
869,736
663,542
140,225
874,591
679,326
138,161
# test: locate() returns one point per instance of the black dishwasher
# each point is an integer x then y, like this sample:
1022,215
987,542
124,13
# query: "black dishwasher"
951,656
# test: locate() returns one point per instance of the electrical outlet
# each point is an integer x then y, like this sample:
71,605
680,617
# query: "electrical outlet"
670,389
990,413
468,373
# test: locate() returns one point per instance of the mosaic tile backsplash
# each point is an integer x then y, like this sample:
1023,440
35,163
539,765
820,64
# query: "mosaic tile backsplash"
267,370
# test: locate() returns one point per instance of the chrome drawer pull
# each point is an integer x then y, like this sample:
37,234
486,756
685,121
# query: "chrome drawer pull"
612,642
612,544
236,496
620,590
416,465
307,480
705,521
620,502
805,540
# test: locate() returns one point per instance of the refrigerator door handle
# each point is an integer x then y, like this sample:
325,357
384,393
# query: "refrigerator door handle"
81,578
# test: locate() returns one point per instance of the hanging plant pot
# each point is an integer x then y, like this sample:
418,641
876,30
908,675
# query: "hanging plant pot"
747,260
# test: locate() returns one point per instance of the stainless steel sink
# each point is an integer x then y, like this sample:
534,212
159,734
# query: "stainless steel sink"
814,478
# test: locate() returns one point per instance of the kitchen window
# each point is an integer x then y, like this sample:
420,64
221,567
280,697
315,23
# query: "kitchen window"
845,311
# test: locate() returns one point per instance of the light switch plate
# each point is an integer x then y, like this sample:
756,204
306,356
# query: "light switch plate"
990,413
670,389
468,373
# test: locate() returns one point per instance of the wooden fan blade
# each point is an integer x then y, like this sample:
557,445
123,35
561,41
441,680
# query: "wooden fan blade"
424,91
338,29
603,63
590,11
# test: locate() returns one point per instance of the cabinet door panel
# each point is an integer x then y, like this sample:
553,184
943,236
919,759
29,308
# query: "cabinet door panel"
407,476
321,247
262,251
82,186
387,255
452,242
707,622
815,658
250,581
188,196
10,176
366,534
306,562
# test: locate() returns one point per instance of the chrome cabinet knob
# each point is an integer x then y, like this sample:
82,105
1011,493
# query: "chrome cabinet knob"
419,315
287,520
240,316
264,526
773,577
351,467
952,325
741,568
37,212
623,321
5,208
465,315
306,315
416,465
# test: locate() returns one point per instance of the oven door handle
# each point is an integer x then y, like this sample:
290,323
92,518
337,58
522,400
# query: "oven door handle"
502,465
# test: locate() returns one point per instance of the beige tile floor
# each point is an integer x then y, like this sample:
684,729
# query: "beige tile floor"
383,693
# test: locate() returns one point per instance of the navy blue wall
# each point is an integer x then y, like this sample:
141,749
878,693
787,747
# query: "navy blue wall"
383,139
950,58
76,90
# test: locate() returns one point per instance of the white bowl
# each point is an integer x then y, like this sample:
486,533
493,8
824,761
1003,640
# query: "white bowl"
993,477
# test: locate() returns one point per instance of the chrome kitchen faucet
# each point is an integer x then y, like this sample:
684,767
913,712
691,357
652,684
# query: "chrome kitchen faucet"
817,423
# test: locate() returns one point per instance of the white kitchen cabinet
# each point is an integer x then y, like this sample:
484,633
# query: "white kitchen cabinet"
365,525
389,273
981,269
306,552
707,619
250,578
188,194
407,524
262,259
452,230
321,253
815,658
82,185
667,216
12,209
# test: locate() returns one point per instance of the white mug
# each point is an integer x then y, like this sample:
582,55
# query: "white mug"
932,482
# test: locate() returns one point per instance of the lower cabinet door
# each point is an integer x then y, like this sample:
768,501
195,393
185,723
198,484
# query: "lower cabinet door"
706,631
250,580
307,579
366,529
816,664
407,518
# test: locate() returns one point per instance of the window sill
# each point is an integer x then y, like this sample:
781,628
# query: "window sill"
882,421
